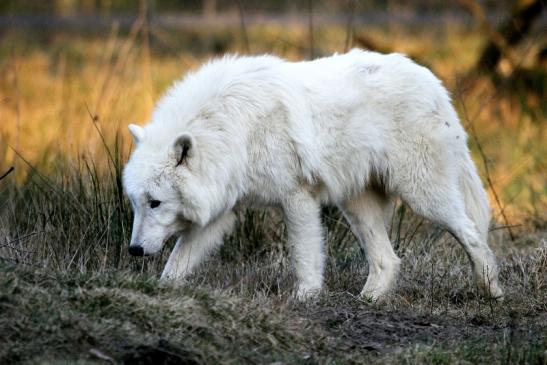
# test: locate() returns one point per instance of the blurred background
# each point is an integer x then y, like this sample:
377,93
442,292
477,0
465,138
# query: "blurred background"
74,73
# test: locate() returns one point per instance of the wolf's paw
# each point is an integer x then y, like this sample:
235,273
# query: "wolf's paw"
373,296
172,276
489,287
307,292
376,290
494,292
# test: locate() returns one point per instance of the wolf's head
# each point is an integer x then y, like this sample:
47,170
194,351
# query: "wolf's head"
166,195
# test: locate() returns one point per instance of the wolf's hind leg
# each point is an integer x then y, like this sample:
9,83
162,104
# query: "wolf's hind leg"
366,215
445,205
192,250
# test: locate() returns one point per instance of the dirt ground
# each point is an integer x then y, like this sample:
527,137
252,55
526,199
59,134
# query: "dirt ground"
381,335
385,332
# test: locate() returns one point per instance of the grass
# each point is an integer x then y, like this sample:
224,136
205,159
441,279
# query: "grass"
69,292
239,309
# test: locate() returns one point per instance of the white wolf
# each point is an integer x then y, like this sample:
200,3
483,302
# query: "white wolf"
354,130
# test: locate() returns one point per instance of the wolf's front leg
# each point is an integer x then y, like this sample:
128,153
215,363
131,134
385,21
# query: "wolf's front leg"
305,234
193,249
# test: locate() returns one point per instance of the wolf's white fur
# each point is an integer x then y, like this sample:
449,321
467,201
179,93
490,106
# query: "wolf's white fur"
352,130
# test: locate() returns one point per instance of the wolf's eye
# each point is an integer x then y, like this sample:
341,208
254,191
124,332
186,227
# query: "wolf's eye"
154,203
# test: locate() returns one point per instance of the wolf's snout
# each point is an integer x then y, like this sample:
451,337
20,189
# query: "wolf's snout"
136,251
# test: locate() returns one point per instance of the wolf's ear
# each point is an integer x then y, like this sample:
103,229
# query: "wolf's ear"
137,133
184,146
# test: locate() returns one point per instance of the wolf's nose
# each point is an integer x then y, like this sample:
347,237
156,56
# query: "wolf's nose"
136,251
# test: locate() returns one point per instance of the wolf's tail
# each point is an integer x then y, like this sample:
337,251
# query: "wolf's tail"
476,201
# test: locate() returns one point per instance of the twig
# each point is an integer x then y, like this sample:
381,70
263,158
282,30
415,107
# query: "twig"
146,9
121,60
17,91
50,184
488,296
146,39
431,288
16,248
505,227
402,211
7,173
407,241
487,170
94,119
349,28
8,243
243,28
310,24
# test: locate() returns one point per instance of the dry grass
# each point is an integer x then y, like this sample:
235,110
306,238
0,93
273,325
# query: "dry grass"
239,308
67,284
